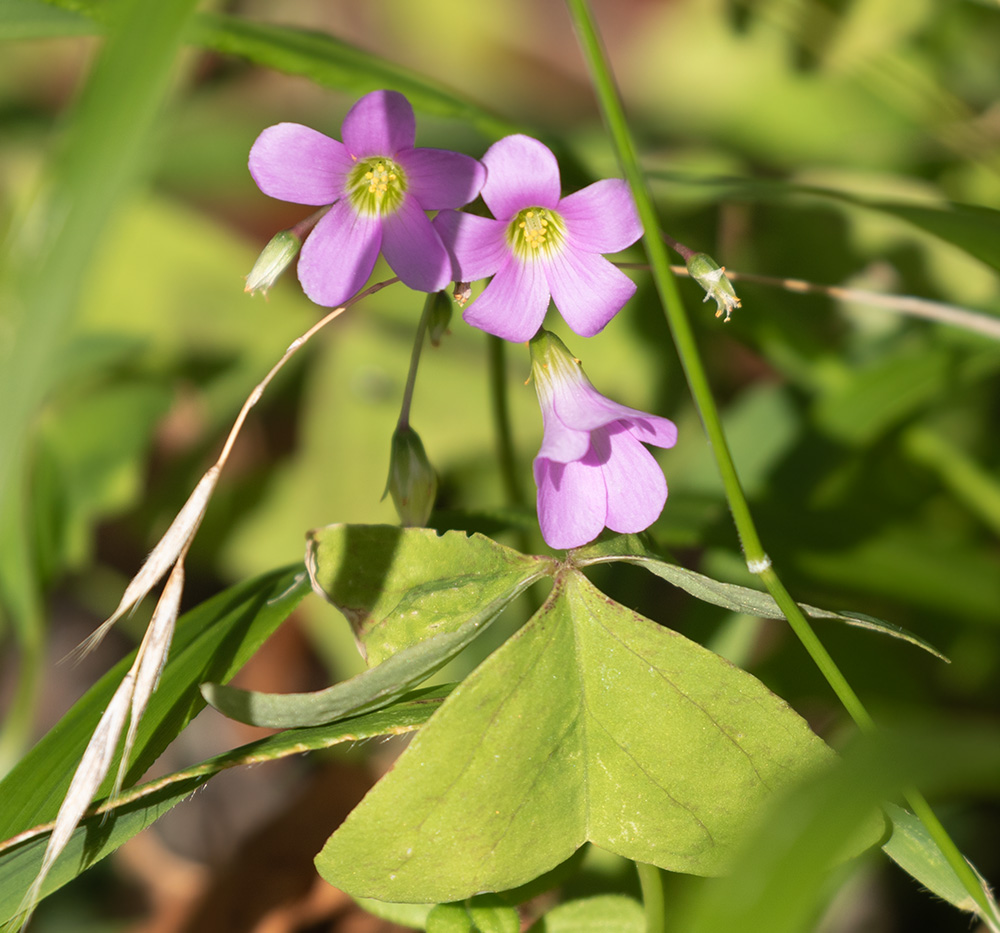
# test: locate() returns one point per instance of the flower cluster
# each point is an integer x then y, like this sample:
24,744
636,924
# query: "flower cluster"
379,187
537,248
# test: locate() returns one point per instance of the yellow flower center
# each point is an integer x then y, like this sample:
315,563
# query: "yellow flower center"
534,230
376,186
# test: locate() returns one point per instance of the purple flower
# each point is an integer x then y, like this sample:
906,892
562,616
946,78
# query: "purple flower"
541,245
379,186
592,471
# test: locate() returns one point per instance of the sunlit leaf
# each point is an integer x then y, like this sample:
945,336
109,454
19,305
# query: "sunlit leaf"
591,723
610,913
414,600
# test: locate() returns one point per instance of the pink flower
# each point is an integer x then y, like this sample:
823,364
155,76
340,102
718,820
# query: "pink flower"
592,471
379,186
541,245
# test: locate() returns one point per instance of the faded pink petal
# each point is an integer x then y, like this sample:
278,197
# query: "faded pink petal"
587,289
413,248
294,163
477,244
380,124
636,489
338,256
572,502
601,218
513,305
439,178
520,172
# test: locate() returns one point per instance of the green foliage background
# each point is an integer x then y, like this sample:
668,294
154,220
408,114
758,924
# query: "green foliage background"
840,143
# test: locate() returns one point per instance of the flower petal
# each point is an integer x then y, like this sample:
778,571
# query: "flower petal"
560,441
477,244
339,255
294,163
581,407
520,172
439,178
572,500
513,305
601,218
413,248
380,124
587,289
636,489
652,429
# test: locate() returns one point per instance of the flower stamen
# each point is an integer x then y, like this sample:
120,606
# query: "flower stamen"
376,186
535,229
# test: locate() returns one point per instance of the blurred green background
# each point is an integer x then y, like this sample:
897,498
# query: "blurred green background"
843,143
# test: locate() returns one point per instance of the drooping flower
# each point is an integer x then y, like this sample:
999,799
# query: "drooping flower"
592,470
541,245
379,186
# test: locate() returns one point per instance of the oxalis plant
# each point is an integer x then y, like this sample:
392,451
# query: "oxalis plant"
591,726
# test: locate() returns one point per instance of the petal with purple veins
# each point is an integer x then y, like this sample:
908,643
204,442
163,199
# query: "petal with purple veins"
413,248
339,255
294,163
520,172
587,289
477,244
439,179
380,124
572,502
601,218
513,305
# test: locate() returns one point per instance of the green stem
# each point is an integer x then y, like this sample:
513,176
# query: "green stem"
513,489
757,560
651,882
411,376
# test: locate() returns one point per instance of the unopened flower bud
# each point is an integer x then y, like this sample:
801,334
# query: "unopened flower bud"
463,292
412,481
275,258
439,318
712,277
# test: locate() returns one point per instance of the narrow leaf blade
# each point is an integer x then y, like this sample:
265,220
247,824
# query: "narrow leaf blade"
119,820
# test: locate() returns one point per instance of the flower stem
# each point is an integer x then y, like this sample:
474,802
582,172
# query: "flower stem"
651,882
411,376
513,489
687,349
